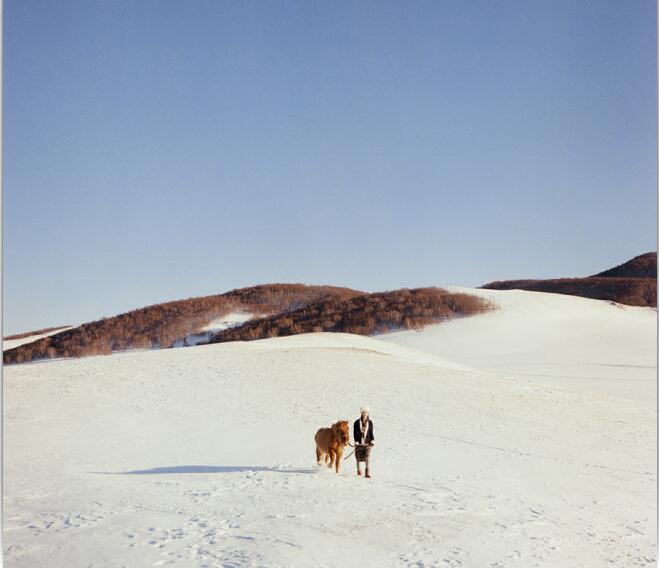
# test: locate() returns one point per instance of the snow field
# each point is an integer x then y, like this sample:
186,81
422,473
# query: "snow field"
205,456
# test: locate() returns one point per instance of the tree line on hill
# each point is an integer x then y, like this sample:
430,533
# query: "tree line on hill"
161,325
365,314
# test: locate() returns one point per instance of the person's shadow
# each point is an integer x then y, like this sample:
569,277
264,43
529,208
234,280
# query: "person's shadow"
206,469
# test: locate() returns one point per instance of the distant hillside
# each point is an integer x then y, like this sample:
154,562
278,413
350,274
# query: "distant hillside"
641,266
273,310
364,314
633,283
161,325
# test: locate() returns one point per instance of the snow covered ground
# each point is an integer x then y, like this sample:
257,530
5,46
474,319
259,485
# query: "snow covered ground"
586,345
205,456
225,322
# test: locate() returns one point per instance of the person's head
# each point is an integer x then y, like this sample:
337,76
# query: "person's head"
364,412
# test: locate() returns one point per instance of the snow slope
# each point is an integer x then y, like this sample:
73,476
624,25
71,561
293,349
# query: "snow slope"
205,457
225,322
586,345
11,343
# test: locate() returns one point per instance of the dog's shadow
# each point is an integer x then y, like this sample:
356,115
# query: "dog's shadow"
206,469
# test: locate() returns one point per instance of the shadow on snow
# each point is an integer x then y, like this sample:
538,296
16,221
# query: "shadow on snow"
206,469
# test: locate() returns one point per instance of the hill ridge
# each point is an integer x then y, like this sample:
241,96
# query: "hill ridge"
280,309
641,266
632,283
161,325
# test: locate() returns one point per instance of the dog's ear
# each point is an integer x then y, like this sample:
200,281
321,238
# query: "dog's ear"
335,427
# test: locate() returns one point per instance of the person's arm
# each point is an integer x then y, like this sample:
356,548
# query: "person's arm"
355,433
372,435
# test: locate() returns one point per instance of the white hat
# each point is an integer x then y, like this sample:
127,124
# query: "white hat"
364,409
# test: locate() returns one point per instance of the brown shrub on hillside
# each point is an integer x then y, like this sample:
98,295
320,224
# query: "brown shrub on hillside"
161,325
364,314
37,332
641,266
630,291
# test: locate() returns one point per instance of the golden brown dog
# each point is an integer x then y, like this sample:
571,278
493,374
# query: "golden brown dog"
330,443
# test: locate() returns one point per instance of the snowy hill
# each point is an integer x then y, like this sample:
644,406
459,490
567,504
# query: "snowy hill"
205,456
553,339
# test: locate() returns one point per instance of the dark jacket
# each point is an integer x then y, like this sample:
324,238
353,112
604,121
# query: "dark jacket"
357,433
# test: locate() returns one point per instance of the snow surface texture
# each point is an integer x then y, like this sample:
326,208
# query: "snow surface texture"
205,456
576,343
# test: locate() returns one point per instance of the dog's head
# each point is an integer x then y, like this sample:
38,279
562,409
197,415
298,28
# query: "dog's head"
341,432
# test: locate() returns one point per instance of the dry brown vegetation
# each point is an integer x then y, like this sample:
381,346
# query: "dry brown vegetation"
161,325
364,314
37,332
641,266
630,291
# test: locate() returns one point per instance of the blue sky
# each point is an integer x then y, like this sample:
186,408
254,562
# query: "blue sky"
158,150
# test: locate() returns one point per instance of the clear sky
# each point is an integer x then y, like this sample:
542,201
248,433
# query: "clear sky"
158,150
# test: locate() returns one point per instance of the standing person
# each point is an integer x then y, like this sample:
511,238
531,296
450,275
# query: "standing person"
364,440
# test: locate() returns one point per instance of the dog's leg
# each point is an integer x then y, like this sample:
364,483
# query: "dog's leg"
319,454
332,454
339,454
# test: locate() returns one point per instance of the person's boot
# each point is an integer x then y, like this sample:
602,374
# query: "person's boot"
368,474
359,471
